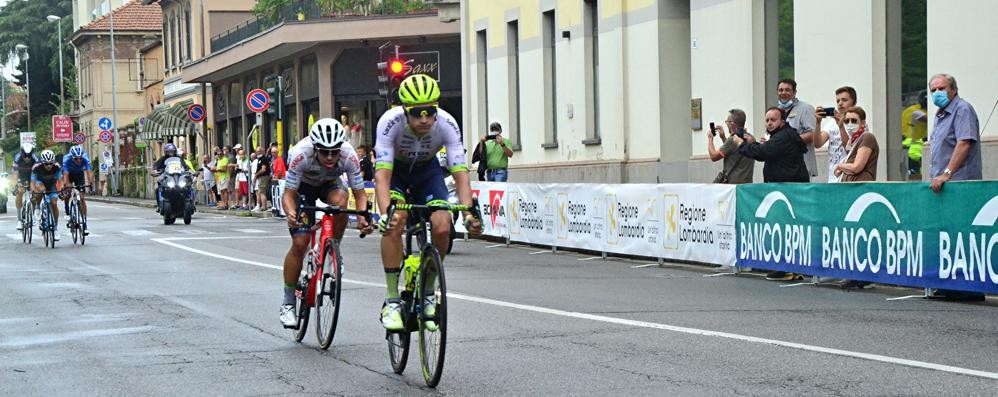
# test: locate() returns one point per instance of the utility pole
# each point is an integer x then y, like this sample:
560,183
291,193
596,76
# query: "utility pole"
116,176
3,107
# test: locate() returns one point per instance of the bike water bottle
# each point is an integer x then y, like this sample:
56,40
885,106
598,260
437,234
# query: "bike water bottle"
411,264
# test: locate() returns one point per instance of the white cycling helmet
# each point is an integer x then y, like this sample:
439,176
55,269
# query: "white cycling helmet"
27,147
327,133
47,156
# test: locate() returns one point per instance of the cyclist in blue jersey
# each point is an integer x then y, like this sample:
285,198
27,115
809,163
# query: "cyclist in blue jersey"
409,137
77,172
24,161
46,177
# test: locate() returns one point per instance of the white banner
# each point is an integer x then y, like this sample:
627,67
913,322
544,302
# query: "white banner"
689,222
492,204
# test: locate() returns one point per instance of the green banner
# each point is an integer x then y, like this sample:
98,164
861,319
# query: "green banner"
891,233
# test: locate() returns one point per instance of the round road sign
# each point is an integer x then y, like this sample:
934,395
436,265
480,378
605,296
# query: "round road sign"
258,100
196,113
105,136
79,138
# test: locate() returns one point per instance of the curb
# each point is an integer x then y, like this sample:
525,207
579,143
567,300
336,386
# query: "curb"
151,204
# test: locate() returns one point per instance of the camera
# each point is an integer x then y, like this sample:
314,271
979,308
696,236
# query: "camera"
713,129
829,112
490,136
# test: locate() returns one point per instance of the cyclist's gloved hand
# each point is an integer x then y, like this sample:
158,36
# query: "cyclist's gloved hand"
363,226
473,224
292,218
384,224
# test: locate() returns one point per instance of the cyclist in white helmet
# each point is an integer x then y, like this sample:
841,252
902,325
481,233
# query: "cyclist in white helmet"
315,165
46,178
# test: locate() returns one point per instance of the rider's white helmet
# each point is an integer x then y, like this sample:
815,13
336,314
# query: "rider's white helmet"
327,133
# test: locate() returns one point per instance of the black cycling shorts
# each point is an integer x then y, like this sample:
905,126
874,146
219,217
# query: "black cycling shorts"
78,179
310,194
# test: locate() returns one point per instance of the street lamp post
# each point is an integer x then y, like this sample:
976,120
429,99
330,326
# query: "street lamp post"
27,80
116,176
62,82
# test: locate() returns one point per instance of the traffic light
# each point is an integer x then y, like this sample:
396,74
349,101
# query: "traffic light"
276,94
392,72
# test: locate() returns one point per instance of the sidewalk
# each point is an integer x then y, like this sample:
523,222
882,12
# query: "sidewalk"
149,203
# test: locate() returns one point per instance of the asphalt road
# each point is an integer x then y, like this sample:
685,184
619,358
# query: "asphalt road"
148,309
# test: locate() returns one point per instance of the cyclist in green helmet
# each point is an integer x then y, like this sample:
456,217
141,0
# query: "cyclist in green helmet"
409,137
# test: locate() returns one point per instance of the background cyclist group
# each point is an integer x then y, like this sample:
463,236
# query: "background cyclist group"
47,178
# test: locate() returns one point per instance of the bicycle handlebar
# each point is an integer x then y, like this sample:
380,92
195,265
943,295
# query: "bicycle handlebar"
396,206
335,210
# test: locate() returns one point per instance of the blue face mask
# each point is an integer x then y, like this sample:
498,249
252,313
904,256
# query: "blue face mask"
940,98
785,104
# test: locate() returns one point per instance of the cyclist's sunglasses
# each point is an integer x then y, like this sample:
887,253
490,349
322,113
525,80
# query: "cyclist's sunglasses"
76,157
422,111
328,152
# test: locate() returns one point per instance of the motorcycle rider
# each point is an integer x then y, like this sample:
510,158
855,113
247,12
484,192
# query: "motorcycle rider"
169,150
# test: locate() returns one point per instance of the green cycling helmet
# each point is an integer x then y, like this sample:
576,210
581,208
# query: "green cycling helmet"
419,89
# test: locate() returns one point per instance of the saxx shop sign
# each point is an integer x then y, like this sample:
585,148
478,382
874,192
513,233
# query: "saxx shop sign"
900,234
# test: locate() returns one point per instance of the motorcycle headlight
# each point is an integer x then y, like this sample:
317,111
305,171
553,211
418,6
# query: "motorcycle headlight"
171,184
183,183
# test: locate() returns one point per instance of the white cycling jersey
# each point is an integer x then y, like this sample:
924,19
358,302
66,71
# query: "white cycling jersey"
304,167
396,142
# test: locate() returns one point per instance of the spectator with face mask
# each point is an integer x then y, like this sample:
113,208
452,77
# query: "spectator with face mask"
833,132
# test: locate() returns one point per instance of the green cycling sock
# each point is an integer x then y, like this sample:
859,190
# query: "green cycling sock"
392,281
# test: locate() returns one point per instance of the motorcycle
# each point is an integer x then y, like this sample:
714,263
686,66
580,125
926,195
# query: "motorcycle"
175,191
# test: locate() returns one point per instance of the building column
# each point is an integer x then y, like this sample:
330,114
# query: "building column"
674,90
325,57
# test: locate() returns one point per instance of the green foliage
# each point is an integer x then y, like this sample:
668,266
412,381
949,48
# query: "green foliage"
914,74
786,37
23,22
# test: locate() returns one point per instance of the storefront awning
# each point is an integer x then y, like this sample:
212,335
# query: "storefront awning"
168,121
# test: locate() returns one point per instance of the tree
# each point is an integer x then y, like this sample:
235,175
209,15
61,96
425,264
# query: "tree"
24,23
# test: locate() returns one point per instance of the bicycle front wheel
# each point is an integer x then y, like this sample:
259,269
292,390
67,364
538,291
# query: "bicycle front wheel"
327,297
74,214
432,320
81,225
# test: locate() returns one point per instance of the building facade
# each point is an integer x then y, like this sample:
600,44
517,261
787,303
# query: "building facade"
137,27
188,26
623,91
327,63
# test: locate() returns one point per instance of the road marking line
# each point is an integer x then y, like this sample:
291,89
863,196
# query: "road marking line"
137,232
646,324
17,236
163,240
540,252
495,245
590,258
250,230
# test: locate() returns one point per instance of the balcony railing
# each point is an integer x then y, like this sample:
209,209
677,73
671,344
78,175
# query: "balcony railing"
309,10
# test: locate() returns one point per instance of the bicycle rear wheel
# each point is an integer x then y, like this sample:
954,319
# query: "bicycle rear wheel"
432,326
301,303
398,350
398,342
327,297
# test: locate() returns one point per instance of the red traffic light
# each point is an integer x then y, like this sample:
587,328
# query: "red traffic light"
396,66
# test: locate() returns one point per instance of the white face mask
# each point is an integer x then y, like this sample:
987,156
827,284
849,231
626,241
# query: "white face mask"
851,128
